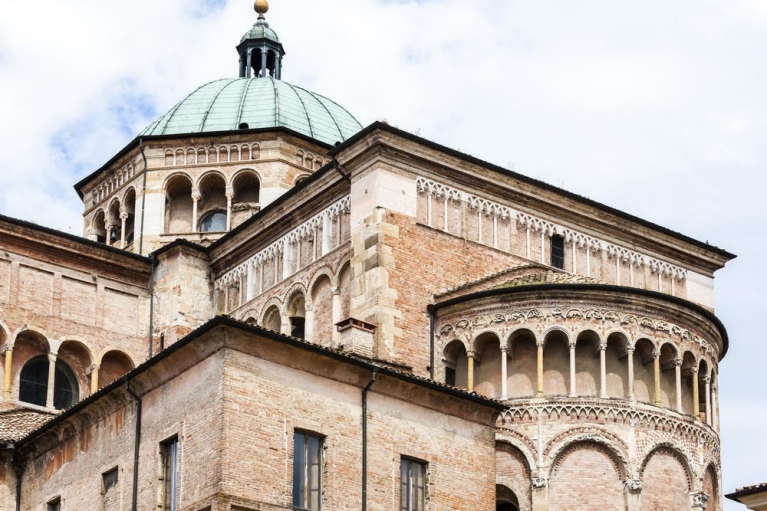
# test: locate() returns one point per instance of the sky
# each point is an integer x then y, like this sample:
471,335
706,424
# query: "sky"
656,108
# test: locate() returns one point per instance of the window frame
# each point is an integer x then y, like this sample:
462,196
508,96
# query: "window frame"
54,504
169,474
412,489
307,470
557,255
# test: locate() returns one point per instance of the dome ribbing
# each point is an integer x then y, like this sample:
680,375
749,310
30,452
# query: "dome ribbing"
229,103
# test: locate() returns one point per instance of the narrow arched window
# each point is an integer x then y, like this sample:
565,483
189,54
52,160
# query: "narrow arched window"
558,252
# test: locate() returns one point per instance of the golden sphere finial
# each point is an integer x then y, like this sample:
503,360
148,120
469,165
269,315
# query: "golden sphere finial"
261,6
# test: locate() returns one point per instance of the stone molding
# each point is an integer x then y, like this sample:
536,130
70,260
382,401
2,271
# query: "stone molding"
482,319
302,232
536,224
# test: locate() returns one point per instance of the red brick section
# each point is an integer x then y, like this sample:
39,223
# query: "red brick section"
665,484
427,260
587,478
709,488
512,471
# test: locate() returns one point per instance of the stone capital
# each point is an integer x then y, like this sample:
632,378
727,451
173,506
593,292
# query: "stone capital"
700,500
632,486
539,483
602,346
678,362
52,357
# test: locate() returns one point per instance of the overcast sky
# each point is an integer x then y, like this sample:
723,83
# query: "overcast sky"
657,108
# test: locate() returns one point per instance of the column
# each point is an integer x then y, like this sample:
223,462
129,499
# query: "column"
504,372
325,233
707,379
573,391
51,378
110,228
539,379
470,372
656,367
695,394
123,218
336,314
630,359
714,407
249,64
264,73
229,198
250,281
8,368
602,370
309,322
540,493
94,378
678,371
196,196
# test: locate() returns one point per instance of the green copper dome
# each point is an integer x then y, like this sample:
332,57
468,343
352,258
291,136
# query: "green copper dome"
232,103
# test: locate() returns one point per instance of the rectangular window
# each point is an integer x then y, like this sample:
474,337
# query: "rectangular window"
109,480
558,252
307,471
450,376
412,485
169,456
54,505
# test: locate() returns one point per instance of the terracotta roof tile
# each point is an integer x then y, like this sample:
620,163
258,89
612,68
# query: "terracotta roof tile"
18,423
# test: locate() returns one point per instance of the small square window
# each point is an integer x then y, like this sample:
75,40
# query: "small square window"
54,504
450,376
412,485
307,471
109,480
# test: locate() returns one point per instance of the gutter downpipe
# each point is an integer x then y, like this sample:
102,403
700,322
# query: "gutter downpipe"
143,197
365,439
137,442
431,341
18,467
153,259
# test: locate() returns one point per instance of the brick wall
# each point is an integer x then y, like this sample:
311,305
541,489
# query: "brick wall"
586,477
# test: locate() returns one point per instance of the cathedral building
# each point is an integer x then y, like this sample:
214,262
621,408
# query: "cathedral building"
275,307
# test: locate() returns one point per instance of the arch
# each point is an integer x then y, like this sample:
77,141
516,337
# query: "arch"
244,152
644,375
587,363
689,364
666,479
234,153
191,156
711,487
246,186
201,155
512,475
505,499
212,206
99,226
295,311
272,320
112,365
321,293
668,354
178,203
78,358
113,219
223,154
487,364
606,471
616,364
344,287
129,209
556,362
180,157
255,152
169,158
703,377
455,362
522,368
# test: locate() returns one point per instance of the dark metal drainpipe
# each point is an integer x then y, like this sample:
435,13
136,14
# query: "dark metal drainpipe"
153,259
137,442
431,342
143,198
18,467
365,439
